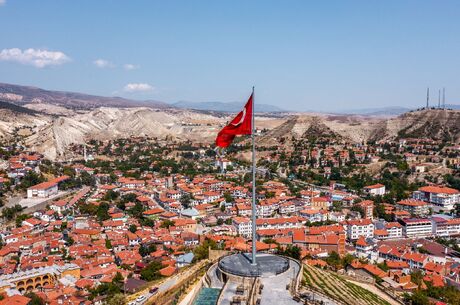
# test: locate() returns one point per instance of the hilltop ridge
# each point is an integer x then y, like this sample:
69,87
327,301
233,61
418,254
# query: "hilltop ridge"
51,121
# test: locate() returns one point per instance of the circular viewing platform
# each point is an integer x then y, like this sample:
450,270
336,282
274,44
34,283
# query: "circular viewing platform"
240,265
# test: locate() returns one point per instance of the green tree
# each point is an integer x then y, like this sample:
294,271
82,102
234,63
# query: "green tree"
118,280
111,195
145,250
167,223
417,298
34,299
103,211
20,219
151,272
30,179
228,197
132,228
116,299
88,209
334,260
291,251
417,277
10,213
87,179
202,250
185,200
347,260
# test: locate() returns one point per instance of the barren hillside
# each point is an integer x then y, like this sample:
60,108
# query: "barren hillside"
434,124
50,121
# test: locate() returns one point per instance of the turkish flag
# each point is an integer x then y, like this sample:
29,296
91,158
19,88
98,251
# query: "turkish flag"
240,125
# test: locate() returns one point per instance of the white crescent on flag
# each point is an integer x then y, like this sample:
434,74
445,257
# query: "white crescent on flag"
242,118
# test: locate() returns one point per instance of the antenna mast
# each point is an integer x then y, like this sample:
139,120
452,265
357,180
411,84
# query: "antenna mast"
439,98
444,98
427,98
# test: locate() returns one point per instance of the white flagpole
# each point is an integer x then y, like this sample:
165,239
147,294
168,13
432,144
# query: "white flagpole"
254,250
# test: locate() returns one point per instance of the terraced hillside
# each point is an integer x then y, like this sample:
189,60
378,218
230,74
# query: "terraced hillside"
340,289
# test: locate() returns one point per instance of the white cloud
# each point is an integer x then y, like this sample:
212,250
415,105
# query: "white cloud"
37,58
130,67
138,87
102,63
2,2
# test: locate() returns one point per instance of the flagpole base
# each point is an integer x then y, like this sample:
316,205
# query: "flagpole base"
240,264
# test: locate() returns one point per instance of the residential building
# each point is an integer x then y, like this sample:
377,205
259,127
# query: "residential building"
368,208
359,227
442,198
394,229
416,227
446,227
414,207
243,226
43,190
375,189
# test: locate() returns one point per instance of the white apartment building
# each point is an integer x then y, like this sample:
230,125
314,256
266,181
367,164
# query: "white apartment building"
336,216
415,207
416,227
42,190
394,229
359,227
287,208
442,198
375,189
446,227
266,208
279,223
243,226
314,215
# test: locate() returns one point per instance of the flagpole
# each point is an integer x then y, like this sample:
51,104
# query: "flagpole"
254,250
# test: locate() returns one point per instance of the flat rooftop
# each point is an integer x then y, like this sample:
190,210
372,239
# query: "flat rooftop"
267,265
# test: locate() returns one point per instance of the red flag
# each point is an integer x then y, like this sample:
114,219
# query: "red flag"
240,125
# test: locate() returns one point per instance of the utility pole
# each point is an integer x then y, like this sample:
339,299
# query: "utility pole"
444,98
428,98
439,98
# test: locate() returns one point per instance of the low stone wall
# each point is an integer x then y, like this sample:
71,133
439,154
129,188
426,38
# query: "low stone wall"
214,255
173,294
196,290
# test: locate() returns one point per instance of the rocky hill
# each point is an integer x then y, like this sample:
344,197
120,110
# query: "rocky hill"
49,122
54,138
435,124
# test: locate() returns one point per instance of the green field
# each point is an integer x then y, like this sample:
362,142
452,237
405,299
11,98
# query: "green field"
338,288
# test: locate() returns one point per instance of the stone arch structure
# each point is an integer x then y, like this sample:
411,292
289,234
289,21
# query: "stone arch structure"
35,282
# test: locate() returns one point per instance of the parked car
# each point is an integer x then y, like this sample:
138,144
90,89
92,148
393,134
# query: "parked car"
153,290
141,298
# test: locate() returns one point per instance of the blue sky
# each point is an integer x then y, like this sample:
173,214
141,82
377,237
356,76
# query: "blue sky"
300,55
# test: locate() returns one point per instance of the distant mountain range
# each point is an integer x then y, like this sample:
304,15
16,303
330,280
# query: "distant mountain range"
391,110
22,95
225,107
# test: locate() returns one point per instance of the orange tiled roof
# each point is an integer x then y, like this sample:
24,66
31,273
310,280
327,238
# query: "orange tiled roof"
439,189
